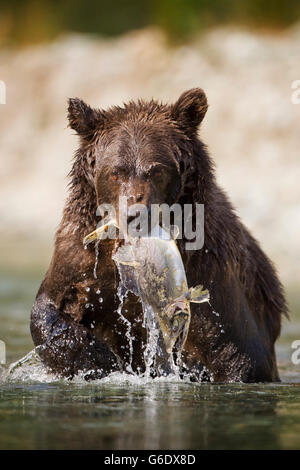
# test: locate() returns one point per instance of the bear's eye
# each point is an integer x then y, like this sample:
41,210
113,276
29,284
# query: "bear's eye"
93,163
157,172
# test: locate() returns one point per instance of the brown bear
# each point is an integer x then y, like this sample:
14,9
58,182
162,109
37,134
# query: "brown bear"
150,153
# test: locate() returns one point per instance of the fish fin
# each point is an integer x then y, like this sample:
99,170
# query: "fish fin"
197,294
99,233
124,255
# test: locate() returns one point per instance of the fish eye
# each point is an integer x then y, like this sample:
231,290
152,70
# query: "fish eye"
175,325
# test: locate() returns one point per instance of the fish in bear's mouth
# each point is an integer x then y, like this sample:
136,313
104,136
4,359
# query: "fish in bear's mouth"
151,267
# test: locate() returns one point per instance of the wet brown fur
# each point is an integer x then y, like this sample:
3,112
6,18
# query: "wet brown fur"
234,336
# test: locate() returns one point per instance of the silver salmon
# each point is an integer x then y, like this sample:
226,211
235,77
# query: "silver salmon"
151,267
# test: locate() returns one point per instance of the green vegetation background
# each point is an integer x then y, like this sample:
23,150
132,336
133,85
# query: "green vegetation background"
28,21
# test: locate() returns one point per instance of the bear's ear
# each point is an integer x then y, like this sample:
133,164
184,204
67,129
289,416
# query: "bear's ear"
83,119
190,109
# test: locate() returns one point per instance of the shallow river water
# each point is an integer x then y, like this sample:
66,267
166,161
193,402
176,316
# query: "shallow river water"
128,412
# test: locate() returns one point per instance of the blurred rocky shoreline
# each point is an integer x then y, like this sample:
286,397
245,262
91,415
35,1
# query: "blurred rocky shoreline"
251,128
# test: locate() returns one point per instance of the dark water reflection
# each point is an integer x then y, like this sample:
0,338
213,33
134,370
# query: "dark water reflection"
139,415
150,416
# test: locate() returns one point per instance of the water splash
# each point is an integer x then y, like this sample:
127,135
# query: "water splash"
154,360
28,369
217,315
122,295
152,338
96,258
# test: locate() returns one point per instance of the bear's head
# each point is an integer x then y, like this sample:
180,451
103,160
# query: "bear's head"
139,151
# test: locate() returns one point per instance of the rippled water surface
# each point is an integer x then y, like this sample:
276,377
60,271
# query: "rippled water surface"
125,412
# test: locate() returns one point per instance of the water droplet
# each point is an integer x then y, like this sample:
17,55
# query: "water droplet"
96,258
